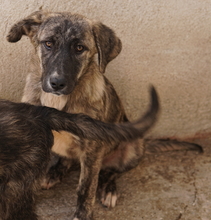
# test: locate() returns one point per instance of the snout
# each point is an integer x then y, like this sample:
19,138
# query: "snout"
57,83
59,75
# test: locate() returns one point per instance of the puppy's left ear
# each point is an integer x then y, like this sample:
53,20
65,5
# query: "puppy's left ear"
107,43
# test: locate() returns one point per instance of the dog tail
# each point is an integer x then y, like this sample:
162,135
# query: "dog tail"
165,145
88,128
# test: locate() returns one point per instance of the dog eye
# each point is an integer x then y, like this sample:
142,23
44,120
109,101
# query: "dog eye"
48,45
79,48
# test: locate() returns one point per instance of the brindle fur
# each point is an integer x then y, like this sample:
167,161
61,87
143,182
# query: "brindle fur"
65,78
26,139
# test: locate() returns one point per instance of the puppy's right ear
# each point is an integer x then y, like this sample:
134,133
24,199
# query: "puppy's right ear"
27,26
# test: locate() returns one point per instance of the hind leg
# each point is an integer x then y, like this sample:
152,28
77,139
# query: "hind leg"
124,158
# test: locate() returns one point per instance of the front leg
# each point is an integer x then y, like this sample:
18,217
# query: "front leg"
107,190
90,168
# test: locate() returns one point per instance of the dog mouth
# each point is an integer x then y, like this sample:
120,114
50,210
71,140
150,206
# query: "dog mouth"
59,92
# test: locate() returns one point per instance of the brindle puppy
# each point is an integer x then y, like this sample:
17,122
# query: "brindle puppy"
26,139
65,75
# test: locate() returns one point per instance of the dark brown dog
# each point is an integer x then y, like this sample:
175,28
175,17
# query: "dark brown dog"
26,139
65,75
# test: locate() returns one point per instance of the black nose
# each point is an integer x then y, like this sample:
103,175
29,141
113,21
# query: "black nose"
57,83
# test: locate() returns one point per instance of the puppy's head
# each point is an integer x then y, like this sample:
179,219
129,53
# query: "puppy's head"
66,44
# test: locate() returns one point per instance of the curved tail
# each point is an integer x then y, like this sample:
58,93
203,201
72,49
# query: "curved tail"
165,145
89,128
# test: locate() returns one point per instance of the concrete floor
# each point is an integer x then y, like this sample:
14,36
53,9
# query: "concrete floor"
168,186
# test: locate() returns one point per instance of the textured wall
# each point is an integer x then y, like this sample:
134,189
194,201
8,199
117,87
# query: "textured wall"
166,43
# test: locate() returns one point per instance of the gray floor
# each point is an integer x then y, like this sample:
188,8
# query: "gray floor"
168,186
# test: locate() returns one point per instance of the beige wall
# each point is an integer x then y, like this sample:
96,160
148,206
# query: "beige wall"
165,42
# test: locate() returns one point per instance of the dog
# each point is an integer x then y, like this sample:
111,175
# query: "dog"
26,140
65,74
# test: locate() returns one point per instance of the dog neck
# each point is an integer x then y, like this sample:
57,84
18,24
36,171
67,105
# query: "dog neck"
53,101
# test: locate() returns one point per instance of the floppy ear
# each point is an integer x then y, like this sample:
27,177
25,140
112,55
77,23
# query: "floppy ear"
27,26
107,43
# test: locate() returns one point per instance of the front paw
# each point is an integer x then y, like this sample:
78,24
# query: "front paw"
108,194
109,199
